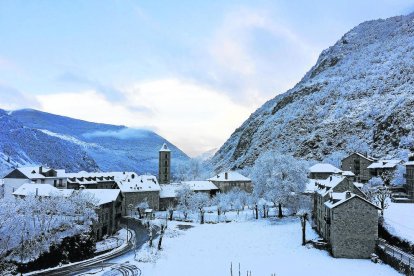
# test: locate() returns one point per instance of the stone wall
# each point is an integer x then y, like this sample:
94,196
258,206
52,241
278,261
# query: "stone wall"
409,176
353,229
226,186
348,164
135,198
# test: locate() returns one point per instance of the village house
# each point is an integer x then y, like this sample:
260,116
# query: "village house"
322,171
39,174
137,189
382,168
409,177
109,204
226,181
358,164
344,218
333,184
168,193
93,180
351,225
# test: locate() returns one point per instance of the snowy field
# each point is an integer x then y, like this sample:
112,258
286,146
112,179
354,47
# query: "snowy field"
262,247
399,220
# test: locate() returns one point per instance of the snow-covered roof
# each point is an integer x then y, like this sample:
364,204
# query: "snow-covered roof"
340,198
169,190
164,147
103,195
229,176
41,190
141,183
385,164
310,186
348,173
33,172
324,168
202,185
409,163
329,183
370,158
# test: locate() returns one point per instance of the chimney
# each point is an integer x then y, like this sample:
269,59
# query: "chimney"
330,178
347,194
226,175
40,169
37,192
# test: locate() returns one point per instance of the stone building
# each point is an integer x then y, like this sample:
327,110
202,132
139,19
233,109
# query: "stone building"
358,164
109,212
109,203
39,175
164,165
226,181
409,177
168,193
333,184
136,189
351,225
322,171
384,167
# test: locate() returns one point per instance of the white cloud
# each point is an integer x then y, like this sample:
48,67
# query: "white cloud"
191,116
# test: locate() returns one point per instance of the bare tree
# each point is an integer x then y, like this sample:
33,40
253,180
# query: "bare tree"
378,193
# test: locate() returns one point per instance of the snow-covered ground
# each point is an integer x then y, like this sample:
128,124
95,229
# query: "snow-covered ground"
112,242
262,247
399,220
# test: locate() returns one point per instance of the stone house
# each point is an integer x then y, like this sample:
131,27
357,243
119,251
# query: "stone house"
226,181
333,184
351,225
109,212
409,177
136,189
381,168
322,171
358,164
40,175
168,193
109,205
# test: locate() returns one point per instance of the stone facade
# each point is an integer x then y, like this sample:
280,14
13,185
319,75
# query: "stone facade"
164,165
409,178
358,164
226,186
134,198
109,217
322,195
352,228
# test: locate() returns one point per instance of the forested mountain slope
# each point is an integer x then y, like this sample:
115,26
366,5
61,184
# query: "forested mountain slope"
358,96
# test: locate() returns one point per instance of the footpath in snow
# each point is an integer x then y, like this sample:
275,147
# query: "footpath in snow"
263,247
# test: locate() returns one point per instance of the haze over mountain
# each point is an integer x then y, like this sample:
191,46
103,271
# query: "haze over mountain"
32,137
358,96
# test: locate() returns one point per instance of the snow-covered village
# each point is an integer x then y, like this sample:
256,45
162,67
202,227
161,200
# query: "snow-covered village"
256,138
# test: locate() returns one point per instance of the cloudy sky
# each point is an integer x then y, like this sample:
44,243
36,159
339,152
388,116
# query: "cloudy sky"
192,71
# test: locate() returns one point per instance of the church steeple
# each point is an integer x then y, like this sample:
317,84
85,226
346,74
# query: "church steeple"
164,165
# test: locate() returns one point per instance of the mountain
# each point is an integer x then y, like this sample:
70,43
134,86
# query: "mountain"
206,155
358,96
33,137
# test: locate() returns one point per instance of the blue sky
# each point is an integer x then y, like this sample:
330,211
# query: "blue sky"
193,71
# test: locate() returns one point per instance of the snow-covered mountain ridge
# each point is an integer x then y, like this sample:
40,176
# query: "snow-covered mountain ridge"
33,137
358,96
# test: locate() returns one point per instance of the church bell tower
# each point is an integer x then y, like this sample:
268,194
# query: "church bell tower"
164,165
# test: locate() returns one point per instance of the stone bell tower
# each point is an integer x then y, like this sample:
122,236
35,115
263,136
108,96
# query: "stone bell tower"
164,165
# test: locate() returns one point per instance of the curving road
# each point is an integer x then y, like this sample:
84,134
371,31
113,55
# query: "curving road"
141,236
